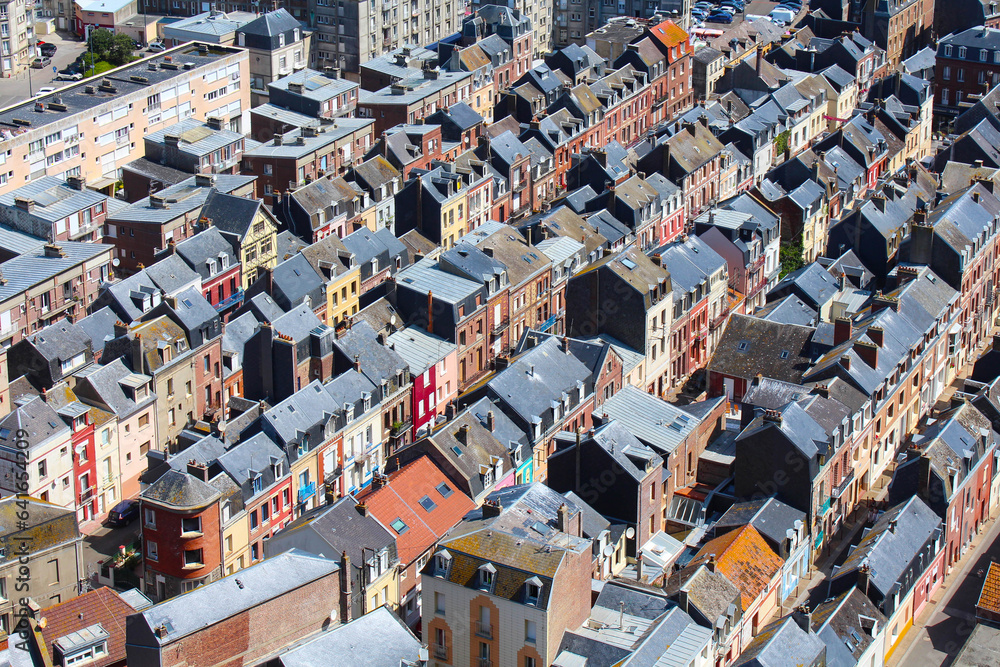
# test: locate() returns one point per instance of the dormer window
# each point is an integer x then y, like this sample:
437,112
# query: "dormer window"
211,267
349,411
224,260
532,590
442,560
367,401
257,483
487,576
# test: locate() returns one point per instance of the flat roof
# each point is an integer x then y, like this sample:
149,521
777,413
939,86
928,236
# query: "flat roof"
76,100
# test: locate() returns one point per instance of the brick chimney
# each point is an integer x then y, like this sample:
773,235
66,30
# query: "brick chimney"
772,417
345,587
563,518
462,434
362,509
881,302
198,469
491,423
25,204
76,182
877,335
53,250
867,351
492,509
843,329
215,123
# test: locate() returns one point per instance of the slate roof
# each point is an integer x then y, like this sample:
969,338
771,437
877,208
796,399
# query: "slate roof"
60,341
769,516
782,642
745,558
845,625
657,423
751,345
230,214
789,310
378,361
214,602
181,199
105,382
179,490
33,267
171,274
811,282
54,199
889,552
396,504
711,593
99,326
207,245
377,639
418,348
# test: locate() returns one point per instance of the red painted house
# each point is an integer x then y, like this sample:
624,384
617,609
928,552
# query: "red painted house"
211,256
77,417
433,363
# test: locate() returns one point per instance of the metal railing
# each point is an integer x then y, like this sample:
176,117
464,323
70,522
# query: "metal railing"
484,630
440,651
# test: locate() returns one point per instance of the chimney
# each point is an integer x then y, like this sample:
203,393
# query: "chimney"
462,434
867,351
345,587
563,518
357,363
492,509
876,334
881,302
803,617
430,311
379,480
295,87
490,421
25,204
760,58
905,274
565,344
975,197
157,202
53,250
711,563
76,182
204,180
449,410
772,417
362,509
198,469
215,123
843,329
822,390
892,525
120,329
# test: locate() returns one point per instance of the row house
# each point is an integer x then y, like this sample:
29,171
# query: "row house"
105,120
476,60
958,241
248,226
50,208
381,181
139,230
627,296
433,363
966,62
210,255
436,202
506,36
195,147
417,502
700,281
511,161
951,468
863,143
408,146
414,98
47,282
324,94
129,397
693,158
899,566
449,306
675,93
327,206
461,127
50,355
294,282
522,622
88,485
378,255
567,256
47,461
298,157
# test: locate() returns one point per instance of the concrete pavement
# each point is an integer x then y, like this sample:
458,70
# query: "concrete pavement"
16,89
104,542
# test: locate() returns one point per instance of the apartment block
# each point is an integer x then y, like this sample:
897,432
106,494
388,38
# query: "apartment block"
93,128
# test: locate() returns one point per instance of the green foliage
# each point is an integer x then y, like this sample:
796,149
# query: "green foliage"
100,42
121,49
100,67
791,257
781,142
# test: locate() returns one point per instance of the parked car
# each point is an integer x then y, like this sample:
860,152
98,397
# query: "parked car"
45,90
67,75
123,513
41,62
47,49
156,47
719,17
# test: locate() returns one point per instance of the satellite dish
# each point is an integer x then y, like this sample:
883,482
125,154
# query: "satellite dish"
392,320
608,551
630,532
115,262
333,615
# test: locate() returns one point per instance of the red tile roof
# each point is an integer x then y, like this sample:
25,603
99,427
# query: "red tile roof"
745,559
989,598
669,34
400,500
102,606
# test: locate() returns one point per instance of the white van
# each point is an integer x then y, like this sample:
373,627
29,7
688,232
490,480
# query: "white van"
786,16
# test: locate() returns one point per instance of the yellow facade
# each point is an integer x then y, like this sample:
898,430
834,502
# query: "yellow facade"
453,225
342,294
259,250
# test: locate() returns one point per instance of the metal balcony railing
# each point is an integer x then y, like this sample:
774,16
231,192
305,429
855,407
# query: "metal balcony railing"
484,630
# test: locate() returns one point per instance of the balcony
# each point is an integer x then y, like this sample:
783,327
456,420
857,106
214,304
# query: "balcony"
719,320
231,300
440,652
86,495
306,492
499,328
838,491
484,630
819,540
825,507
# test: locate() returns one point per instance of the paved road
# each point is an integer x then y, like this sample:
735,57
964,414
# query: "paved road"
953,619
16,89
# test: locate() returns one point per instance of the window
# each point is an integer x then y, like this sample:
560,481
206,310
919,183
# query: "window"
439,604
193,558
487,575
254,523
427,503
265,512
42,470
399,526
191,525
258,483
444,489
151,552
150,517
144,420
530,632
532,590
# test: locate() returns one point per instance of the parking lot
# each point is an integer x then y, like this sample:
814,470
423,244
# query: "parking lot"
755,8
17,89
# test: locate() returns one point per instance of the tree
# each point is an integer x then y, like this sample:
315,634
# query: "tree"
791,258
121,50
101,41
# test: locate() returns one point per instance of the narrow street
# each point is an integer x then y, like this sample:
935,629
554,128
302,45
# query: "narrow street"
941,630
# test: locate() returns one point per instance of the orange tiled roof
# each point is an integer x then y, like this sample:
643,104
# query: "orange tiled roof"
669,33
102,606
989,599
400,499
745,559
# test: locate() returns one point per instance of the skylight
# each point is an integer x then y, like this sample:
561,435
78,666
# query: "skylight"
399,526
427,503
444,489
